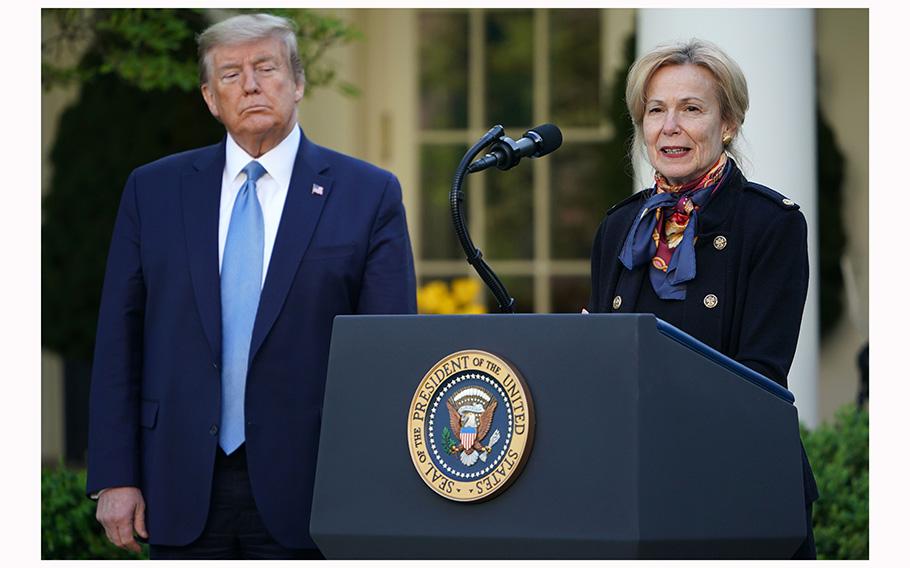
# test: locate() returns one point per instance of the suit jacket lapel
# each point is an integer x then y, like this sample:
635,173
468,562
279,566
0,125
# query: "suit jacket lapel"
201,190
302,209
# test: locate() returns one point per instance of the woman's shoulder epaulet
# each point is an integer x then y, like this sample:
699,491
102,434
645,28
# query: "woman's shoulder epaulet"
635,197
781,200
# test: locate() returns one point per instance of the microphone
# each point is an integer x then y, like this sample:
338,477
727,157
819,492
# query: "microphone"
505,153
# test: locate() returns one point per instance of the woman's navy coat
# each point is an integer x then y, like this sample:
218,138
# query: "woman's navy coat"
751,256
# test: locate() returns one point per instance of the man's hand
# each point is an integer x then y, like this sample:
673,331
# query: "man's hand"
121,510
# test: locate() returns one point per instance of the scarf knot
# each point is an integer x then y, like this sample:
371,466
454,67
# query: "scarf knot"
663,233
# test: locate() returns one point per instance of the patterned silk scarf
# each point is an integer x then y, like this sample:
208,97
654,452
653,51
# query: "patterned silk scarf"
666,238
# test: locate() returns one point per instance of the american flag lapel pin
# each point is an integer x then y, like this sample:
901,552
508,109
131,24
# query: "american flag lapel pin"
318,189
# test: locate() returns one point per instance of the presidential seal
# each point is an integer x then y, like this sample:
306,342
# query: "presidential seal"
470,426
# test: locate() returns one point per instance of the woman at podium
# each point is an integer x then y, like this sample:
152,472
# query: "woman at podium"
720,257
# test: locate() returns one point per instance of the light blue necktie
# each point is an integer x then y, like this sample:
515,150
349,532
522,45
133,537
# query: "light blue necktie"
241,278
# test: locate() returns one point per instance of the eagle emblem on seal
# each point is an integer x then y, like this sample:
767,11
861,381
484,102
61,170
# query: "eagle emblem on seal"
470,415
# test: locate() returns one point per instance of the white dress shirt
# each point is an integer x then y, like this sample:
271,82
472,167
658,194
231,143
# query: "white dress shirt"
271,189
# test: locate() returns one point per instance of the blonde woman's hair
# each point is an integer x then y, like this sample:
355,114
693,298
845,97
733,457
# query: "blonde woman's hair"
732,91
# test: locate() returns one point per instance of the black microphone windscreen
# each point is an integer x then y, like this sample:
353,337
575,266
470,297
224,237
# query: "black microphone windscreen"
551,138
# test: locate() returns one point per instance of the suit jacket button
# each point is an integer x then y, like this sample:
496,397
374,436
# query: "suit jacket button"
617,301
213,430
720,242
710,301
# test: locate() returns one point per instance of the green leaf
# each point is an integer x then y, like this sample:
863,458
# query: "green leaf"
69,530
155,49
839,454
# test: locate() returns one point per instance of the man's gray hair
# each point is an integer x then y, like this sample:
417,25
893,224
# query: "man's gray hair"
245,28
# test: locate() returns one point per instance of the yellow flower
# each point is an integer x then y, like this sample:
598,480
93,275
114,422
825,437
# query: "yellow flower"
464,290
435,297
473,309
447,306
430,297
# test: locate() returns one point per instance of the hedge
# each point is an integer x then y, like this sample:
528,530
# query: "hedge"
69,530
839,454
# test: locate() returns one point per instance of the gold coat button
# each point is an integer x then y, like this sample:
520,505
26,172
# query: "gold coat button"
617,301
720,243
788,202
710,301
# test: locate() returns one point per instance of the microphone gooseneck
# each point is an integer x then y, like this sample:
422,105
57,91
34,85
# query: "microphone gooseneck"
456,203
504,153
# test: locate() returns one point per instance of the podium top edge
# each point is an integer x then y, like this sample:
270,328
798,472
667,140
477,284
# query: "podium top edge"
731,364
659,325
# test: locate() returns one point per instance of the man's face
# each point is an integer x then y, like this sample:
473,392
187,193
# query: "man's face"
252,90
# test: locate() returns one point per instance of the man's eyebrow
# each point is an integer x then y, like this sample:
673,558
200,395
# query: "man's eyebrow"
237,65
265,58
228,65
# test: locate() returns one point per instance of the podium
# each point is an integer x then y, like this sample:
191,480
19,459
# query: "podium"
648,444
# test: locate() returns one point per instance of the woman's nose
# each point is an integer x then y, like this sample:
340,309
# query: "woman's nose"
671,124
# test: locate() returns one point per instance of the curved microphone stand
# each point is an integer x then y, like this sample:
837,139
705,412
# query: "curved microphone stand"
456,201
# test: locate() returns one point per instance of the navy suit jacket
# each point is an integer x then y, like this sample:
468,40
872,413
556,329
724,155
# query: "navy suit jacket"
156,379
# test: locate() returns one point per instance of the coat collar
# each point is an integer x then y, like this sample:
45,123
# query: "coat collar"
715,213
720,206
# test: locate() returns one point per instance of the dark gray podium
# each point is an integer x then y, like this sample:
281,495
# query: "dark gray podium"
648,445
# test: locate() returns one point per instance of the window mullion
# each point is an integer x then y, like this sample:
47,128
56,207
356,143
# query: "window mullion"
477,217
541,74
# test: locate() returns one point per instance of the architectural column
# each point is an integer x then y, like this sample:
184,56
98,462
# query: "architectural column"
776,50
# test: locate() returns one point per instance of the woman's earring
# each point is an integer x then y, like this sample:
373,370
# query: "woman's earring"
727,139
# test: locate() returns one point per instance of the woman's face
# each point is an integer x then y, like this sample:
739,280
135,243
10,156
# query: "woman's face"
682,125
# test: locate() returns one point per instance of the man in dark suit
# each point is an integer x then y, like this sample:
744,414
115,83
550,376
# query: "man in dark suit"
226,268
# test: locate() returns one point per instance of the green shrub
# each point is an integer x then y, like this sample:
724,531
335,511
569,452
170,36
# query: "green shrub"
69,530
839,454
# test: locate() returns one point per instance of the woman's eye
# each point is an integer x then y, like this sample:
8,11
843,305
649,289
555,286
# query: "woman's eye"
654,110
